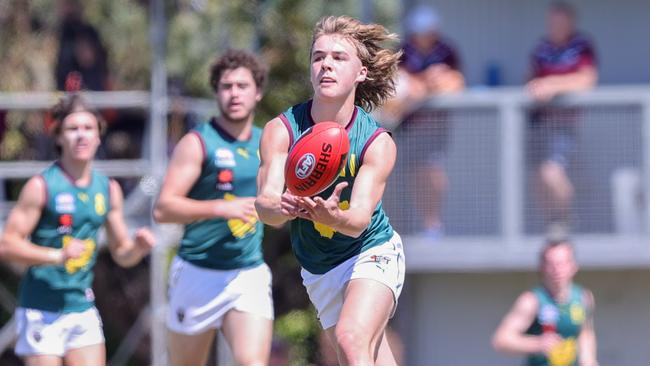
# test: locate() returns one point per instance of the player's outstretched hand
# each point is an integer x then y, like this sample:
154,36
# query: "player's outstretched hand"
327,211
289,205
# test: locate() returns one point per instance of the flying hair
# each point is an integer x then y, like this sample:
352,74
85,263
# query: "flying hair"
381,62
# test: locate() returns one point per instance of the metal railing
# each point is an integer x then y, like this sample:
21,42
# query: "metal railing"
512,245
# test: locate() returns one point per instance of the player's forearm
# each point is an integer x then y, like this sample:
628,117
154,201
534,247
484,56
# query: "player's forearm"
127,254
353,222
16,249
578,81
183,210
269,210
453,81
587,344
518,344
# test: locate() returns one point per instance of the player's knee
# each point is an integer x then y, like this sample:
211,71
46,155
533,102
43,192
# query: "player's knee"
250,357
352,341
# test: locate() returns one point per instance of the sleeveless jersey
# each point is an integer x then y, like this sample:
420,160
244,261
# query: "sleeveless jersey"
229,170
564,319
69,212
320,248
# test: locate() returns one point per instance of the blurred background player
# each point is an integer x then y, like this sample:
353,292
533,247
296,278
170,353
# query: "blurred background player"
219,278
429,66
53,229
352,260
563,61
553,323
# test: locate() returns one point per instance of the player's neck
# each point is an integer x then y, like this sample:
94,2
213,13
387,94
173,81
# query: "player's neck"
240,130
78,171
560,293
339,111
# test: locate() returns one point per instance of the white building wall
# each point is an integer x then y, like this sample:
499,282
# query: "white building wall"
505,31
448,319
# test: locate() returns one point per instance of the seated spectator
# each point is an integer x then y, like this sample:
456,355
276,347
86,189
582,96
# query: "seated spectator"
563,61
430,66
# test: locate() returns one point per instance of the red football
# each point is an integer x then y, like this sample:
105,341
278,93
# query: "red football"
316,159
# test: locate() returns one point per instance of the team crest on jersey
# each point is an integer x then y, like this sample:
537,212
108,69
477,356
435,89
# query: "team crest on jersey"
224,180
64,203
224,158
243,152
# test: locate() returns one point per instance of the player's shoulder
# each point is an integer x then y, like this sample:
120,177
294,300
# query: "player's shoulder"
367,121
296,108
34,192
528,300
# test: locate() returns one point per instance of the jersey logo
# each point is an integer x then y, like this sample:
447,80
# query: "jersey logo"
224,158
243,152
238,228
326,231
83,196
75,264
577,314
564,354
305,165
548,314
65,224
225,178
100,204
64,203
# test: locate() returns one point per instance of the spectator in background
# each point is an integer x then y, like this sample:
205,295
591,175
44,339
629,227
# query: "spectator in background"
429,66
563,61
82,60
553,323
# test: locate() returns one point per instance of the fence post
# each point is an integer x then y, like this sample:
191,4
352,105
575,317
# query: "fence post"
645,160
512,182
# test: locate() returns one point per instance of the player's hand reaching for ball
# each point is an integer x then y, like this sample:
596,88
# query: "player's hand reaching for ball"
327,211
289,205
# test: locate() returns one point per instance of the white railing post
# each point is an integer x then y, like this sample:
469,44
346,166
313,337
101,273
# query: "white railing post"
512,167
645,160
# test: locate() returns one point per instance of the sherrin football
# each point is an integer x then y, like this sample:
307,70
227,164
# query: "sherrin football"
316,159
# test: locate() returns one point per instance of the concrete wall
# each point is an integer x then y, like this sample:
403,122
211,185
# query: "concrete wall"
448,319
505,31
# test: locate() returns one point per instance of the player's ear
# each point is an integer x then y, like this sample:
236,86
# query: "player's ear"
258,95
363,73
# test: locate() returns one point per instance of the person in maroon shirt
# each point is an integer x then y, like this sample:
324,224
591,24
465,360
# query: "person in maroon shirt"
429,66
564,61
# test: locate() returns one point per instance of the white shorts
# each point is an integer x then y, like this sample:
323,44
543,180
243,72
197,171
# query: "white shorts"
383,263
200,297
50,333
